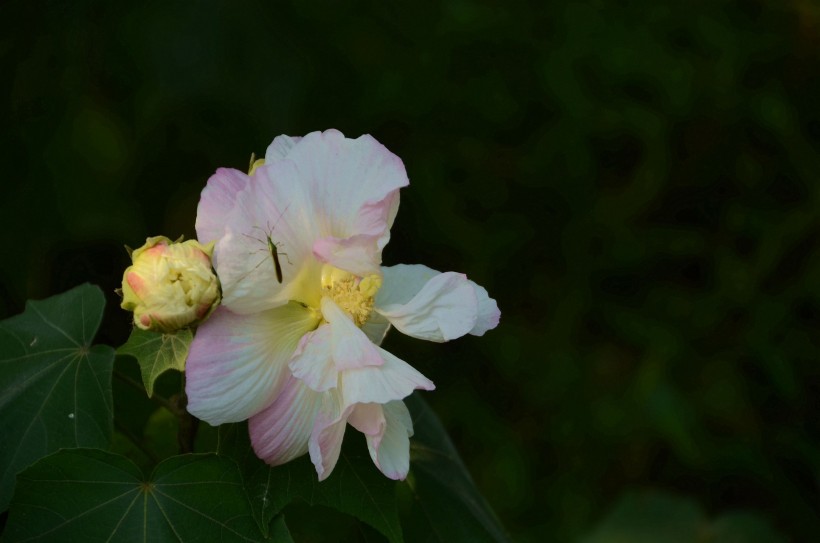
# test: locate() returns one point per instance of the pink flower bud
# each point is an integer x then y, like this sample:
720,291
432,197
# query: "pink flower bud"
170,285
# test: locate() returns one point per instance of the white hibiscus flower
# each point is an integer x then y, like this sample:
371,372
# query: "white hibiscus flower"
294,347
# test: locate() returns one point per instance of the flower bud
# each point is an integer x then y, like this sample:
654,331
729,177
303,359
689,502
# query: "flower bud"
170,285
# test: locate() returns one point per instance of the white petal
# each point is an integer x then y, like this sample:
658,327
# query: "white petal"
390,450
376,328
281,432
351,348
368,418
313,363
394,380
279,148
328,432
266,211
237,363
445,306
350,182
488,313
391,209
402,282
322,186
217,199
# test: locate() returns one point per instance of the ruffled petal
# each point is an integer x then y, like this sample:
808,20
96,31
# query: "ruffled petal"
402,282
445,307
390,448
313,363
351,348
394,380
334,186
217,200
328,433
350,182
281,432
388,429
488,312
237,363
361,253
321,186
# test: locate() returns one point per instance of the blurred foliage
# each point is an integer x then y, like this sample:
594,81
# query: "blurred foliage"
652,516
635,182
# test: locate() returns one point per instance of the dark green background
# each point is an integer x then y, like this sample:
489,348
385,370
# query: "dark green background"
636,183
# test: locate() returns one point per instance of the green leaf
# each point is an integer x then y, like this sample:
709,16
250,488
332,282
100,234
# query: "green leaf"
651,516
157,353
355,487
93,495
55,388
446,505
279,531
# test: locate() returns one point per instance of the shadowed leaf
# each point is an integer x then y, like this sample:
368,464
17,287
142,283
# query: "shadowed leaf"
93,495
55,387
446,505
355,487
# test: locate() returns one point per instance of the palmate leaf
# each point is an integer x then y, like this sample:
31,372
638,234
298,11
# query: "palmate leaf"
55,388
446,506
157,353
93,495
355,487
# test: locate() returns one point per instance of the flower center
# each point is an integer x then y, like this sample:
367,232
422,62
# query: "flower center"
352,293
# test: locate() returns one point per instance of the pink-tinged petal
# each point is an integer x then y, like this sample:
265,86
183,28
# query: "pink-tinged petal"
358,254
325,186
328,432
390,449
368,418
393,380
313,363
349,182
351,348
444,308
215,203
245,263
376,218
361,253
237,363
279,148
376,328
488,312
282,431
